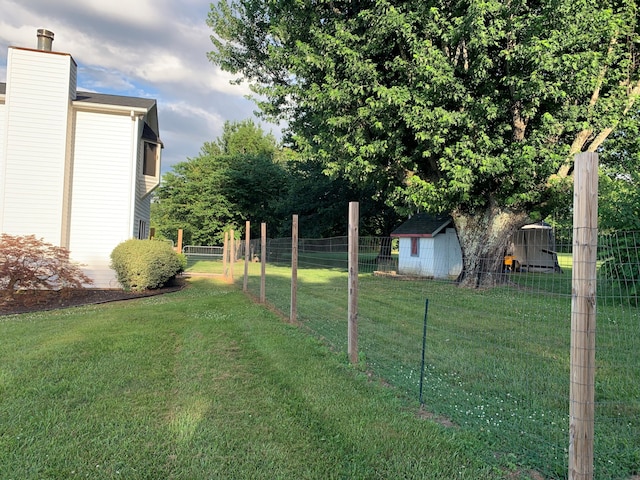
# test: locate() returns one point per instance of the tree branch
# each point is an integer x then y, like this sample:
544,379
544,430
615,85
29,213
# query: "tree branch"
602,136
584,135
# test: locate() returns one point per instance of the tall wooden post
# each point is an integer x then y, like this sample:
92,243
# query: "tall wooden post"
583,317
294,269
225,254
232,252
179,244
352,337
263,261
247,254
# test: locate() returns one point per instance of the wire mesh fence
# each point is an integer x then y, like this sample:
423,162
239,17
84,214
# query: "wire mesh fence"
496,361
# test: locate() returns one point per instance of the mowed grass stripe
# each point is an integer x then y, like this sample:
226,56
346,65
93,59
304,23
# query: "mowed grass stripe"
203,384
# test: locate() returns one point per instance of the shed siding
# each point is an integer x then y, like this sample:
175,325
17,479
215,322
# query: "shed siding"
439,257
410,265
447,261
36,131
101,206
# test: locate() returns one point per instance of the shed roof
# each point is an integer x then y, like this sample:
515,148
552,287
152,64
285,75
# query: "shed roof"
422,225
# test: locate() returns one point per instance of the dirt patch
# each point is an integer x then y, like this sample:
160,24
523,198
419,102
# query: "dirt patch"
42,300
445,422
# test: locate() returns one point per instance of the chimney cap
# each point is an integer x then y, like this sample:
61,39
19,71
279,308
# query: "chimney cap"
45,39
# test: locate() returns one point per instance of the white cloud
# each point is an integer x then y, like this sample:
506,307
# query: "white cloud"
138,12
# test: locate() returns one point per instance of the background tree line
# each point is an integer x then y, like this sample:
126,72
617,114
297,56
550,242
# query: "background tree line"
246,175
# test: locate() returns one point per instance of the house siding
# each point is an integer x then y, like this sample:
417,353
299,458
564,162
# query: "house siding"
37,104
144,186
143,212
101,210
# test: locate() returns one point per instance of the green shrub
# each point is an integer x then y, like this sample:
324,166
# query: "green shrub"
146,264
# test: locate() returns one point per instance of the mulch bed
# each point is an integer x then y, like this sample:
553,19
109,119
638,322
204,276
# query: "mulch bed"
41,300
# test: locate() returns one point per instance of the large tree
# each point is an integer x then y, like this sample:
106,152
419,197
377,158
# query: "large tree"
476,108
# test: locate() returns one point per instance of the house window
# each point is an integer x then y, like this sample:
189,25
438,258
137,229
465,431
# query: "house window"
150,166
142,230
415,246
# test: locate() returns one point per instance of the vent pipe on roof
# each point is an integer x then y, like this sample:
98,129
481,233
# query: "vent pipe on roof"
45,39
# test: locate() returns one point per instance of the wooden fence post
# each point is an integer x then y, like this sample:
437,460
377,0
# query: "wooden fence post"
179,245
225,254
294,270
263,260
583,317
232,252
352,337
247,254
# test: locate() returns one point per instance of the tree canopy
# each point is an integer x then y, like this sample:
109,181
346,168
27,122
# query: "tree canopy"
475,108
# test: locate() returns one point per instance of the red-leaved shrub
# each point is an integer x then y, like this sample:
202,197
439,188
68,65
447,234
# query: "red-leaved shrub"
29,263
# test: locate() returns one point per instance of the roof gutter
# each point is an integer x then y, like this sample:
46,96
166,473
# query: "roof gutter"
104,107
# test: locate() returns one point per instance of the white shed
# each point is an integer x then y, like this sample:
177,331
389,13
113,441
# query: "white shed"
428,247
76,168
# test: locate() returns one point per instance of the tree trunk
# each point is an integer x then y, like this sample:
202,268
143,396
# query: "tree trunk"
483,239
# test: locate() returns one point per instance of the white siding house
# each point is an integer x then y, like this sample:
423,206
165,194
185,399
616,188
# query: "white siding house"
76,168
428,247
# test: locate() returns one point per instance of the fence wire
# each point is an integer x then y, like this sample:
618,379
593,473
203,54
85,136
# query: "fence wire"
496,360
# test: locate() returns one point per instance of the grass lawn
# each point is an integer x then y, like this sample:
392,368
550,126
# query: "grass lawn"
497,361
203,384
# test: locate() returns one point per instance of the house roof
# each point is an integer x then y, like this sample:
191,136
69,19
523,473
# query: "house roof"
92,98
422,225
117,100
103,101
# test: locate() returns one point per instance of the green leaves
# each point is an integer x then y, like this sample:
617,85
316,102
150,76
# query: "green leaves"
466,104
231,181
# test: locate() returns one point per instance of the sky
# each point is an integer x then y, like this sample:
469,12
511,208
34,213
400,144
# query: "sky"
140,48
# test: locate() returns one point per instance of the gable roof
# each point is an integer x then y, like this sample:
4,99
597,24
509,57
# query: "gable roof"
422,225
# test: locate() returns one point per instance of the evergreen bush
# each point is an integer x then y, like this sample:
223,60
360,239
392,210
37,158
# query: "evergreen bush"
145,264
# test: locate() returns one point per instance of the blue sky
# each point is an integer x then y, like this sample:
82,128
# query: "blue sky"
141,48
